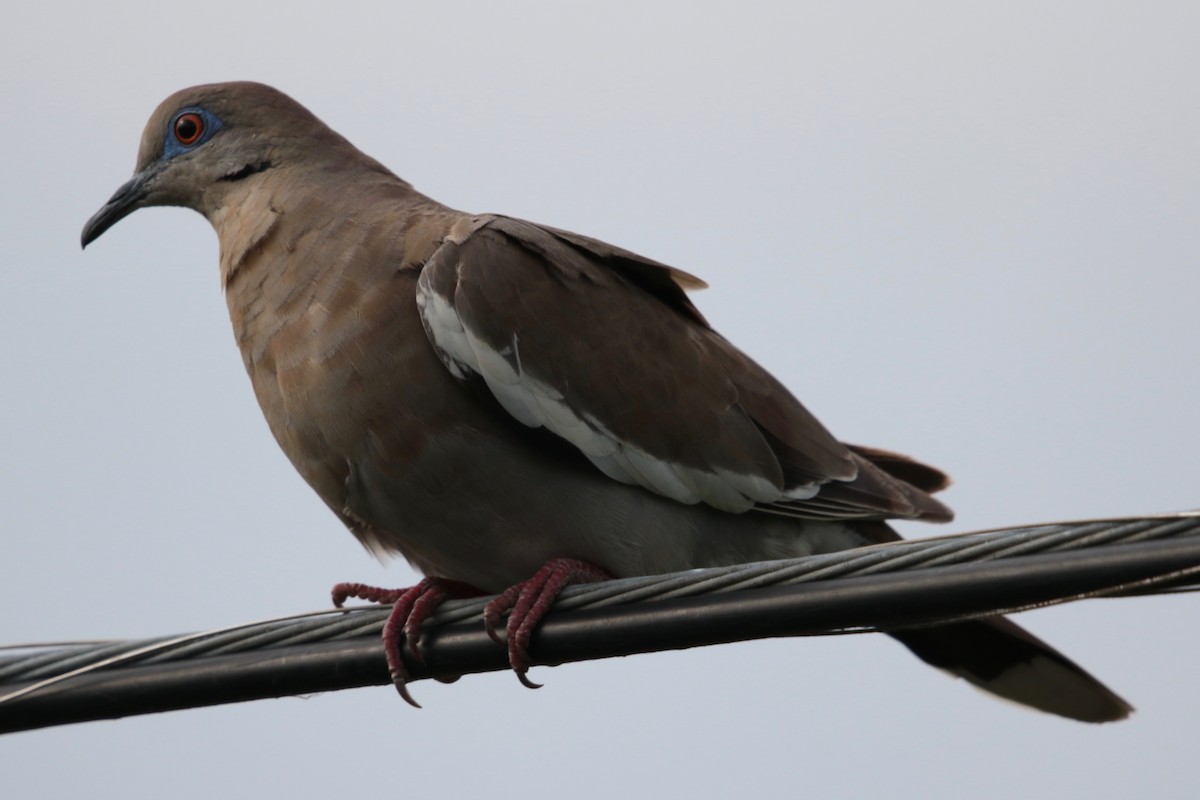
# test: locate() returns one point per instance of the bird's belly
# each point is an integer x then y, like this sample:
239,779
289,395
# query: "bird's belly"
479,509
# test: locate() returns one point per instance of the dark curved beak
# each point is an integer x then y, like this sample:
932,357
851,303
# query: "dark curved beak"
124,202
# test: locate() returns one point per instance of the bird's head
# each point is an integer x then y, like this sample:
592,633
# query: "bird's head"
204,143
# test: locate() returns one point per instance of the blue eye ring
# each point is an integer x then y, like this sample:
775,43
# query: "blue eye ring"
188,129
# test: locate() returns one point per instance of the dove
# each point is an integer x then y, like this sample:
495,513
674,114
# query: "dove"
514,408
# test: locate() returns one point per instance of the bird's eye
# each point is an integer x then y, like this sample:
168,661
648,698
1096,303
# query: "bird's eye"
189,128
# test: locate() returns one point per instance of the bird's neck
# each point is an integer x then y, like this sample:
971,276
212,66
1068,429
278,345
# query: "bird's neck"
292,254
244,224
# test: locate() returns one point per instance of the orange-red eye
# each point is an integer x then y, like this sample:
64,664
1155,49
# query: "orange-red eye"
189,128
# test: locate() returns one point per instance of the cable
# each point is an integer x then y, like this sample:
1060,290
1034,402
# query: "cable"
902,584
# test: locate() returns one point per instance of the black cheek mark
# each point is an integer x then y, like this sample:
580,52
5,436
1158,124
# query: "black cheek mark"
248,170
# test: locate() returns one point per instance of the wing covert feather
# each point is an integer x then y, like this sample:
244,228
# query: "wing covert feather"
603,348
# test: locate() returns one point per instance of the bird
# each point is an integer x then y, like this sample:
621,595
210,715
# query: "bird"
514,408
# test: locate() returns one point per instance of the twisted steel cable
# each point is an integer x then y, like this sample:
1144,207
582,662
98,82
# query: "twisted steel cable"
901,584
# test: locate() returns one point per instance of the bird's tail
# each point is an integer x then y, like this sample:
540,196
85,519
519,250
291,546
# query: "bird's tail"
1004,659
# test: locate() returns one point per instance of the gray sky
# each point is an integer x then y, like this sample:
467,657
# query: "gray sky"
965,231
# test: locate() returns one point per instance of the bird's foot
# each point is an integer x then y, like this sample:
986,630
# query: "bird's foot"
410,608
526,604
529,601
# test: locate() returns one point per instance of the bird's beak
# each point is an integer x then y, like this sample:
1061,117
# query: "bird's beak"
125,201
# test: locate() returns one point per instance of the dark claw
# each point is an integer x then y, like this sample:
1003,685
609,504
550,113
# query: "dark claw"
491,624
399,681
524,679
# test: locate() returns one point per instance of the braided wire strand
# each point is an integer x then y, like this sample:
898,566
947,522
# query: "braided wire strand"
57,662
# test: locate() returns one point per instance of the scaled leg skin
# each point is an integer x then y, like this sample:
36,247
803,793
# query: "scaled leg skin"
410,608
529,601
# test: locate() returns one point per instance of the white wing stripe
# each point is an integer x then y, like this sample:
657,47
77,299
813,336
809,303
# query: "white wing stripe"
536,404
445,330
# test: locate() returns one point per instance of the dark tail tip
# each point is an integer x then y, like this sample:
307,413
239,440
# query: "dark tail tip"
1004,659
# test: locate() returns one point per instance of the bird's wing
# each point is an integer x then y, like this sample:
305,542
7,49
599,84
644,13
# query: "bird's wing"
603,348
